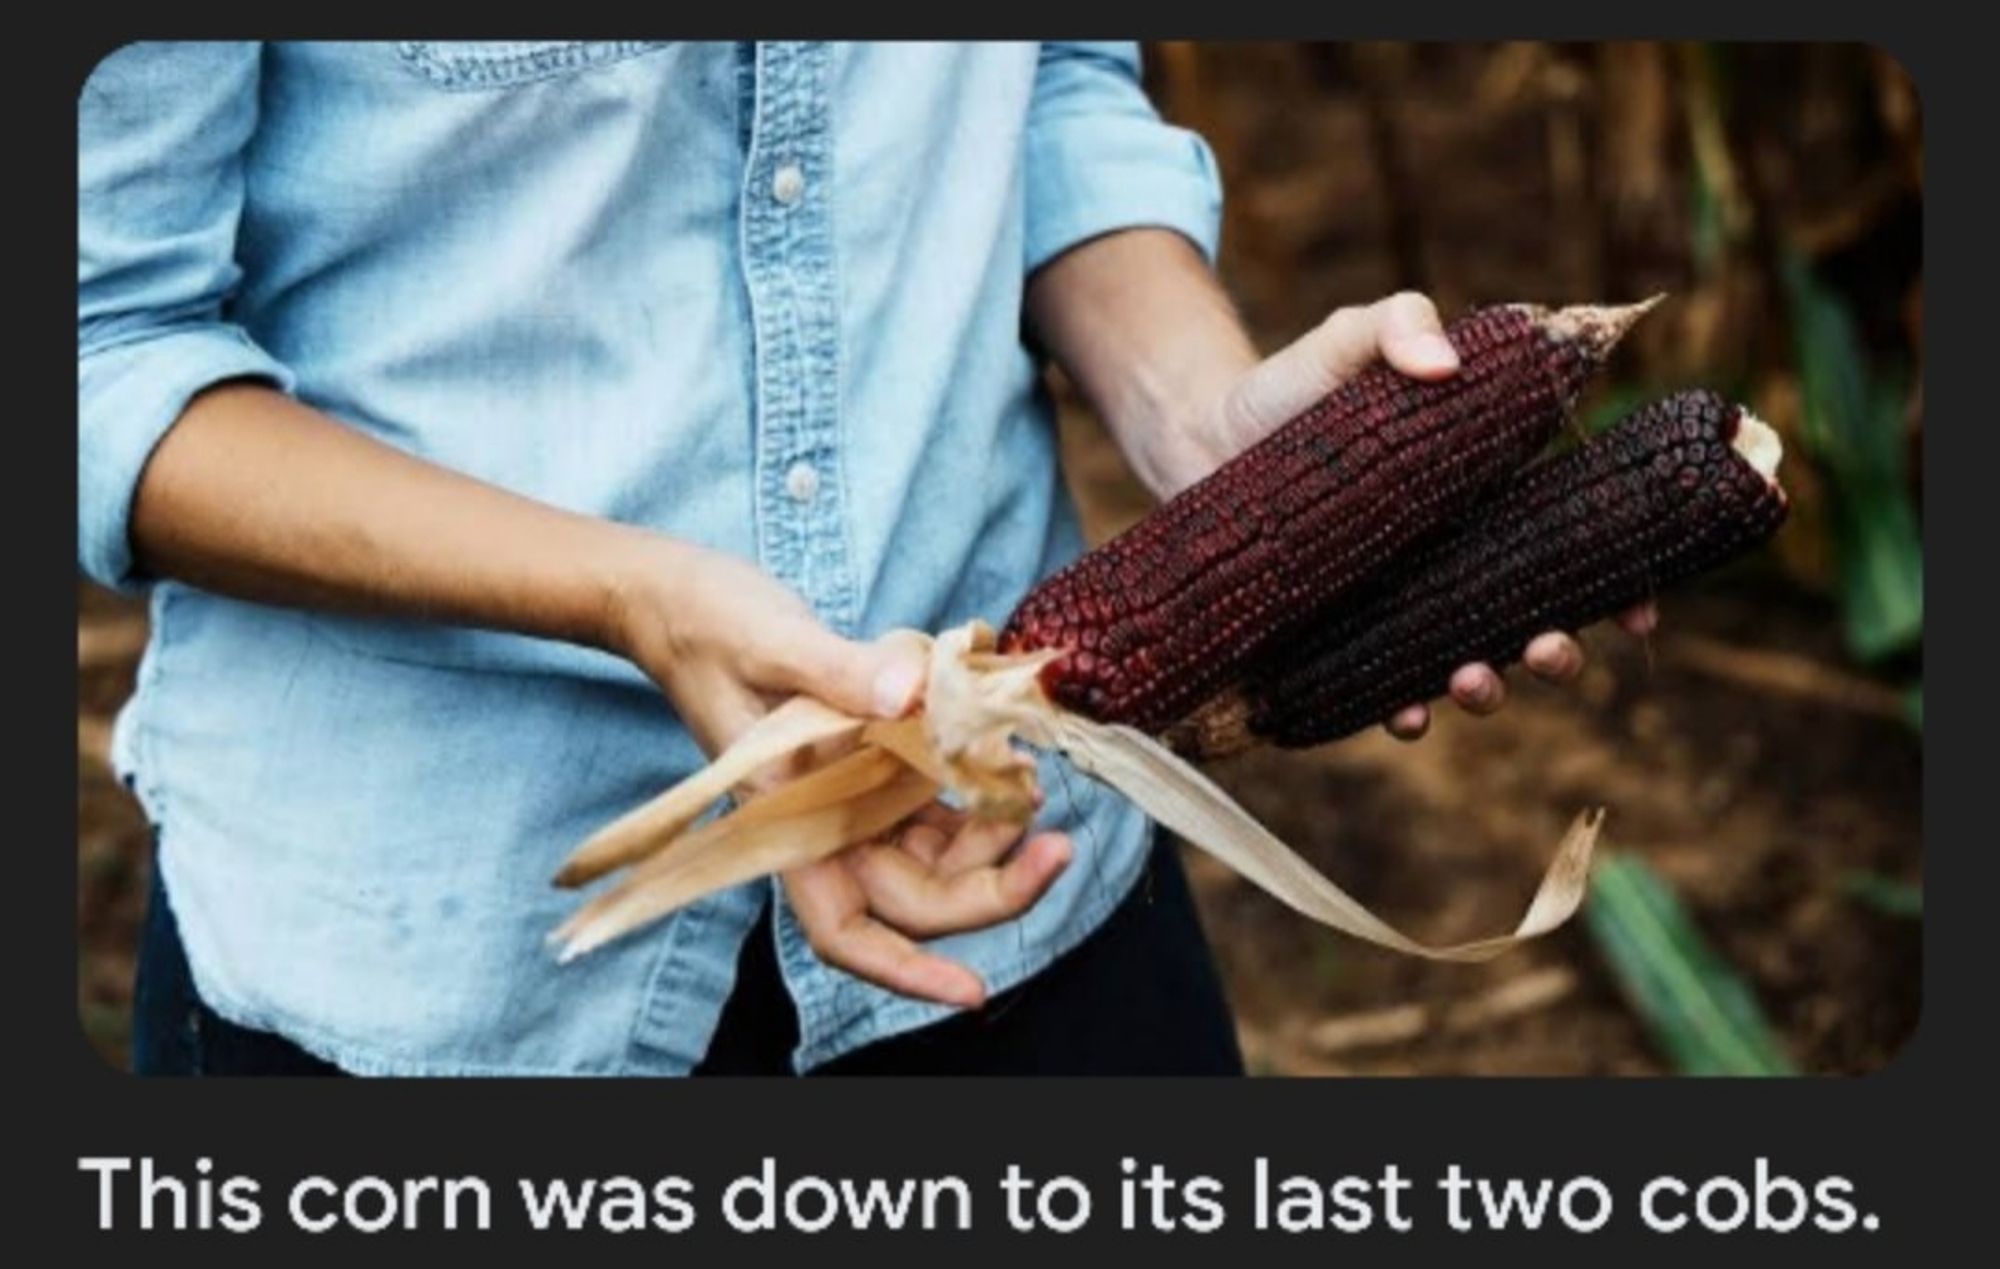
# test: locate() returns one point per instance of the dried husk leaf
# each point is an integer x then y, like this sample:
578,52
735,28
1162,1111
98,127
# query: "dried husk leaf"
854,799
799,722
975,703
1188,802
978,703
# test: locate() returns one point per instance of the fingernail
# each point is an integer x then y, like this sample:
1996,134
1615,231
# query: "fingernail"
1435,350
895,686
1559,662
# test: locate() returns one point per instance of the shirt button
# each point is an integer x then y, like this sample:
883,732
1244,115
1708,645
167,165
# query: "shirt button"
802,482
788,183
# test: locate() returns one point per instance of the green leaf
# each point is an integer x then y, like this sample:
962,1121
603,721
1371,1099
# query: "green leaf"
1853,427
1706,98
1881,572
1327,957
1885,894
1705,233
1699,1010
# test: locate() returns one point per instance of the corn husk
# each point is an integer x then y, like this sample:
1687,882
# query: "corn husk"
979,708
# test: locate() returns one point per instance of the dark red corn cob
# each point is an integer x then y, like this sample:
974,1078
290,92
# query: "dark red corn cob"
1662,496
1171,612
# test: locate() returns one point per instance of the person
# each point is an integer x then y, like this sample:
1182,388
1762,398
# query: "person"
499,427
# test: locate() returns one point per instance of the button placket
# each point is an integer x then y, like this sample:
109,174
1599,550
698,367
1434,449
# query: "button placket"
789,267
788,262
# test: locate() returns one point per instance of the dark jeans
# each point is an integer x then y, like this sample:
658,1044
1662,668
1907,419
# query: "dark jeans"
1140,996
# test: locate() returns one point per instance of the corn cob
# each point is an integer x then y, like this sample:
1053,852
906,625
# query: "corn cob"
1675,488
1171,612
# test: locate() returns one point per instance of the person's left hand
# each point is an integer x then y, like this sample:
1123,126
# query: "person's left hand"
1404,331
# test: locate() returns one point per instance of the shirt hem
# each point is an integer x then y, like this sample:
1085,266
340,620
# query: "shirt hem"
881,1025
364,1061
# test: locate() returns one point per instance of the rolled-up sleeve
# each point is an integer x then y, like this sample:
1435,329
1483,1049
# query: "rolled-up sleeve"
1099,157
160,140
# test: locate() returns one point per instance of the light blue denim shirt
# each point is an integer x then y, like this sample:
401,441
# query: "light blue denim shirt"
763,297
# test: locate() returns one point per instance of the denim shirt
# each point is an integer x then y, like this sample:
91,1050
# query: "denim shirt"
767,298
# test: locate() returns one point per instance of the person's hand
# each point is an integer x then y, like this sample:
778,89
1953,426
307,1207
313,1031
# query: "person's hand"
727,642
1404,331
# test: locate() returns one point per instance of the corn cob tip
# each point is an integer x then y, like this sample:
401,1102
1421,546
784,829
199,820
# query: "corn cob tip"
1758,443
1597,328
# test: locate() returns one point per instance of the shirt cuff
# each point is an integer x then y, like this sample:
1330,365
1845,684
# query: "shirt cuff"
1092,177
128,395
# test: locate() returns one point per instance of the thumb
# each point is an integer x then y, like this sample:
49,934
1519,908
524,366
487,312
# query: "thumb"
1292,379
1403,329
879,679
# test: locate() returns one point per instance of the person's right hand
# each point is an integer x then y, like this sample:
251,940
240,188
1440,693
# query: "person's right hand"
727,642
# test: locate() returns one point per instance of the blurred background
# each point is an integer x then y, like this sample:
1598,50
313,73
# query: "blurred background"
1759,905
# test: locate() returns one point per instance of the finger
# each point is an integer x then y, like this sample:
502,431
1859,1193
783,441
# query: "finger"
1477,689
919,902
1302,372
830,906
1410,722
926,842
1641,619
979,844
1331,353
940,825
1404,329
1412,337
871,951
881,679
1554,656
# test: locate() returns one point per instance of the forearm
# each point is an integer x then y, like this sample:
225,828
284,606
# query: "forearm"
255,495
1141,324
